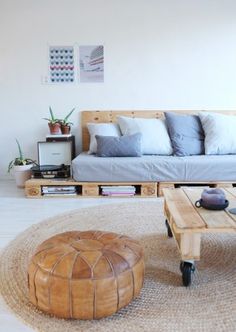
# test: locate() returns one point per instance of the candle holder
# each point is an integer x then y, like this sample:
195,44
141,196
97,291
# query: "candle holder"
212,199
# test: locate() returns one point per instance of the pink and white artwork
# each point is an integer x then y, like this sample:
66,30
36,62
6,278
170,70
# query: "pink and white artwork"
91,64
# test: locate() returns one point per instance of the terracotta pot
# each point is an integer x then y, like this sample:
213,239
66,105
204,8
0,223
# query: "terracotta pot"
55,128
22,173
65,130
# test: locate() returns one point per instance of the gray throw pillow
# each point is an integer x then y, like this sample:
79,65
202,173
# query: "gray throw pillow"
186,134
124,146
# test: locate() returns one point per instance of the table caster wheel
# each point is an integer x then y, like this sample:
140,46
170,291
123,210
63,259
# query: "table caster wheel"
187,269
169,232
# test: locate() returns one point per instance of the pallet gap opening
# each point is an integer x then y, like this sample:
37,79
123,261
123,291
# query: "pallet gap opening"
179,185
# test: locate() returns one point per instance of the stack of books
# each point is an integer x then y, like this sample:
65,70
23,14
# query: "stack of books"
118,190
59,190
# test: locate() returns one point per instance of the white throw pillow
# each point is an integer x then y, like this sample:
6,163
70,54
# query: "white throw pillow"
155,138
103,129
220,133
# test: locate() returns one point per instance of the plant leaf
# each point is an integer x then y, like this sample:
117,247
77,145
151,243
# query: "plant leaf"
20,150
31,161
11,163
69,114
51,112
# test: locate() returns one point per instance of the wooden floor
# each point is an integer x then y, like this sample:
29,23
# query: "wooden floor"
17,213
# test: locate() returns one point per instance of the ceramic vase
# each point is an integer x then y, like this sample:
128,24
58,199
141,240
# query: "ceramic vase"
55,128
65,130
22,173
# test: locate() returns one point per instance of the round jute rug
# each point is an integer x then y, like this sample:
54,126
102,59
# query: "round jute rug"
164,304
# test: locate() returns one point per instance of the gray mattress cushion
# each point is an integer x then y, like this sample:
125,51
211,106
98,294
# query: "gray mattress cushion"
154,168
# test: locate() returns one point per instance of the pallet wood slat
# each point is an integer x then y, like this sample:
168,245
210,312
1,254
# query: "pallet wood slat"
149,189
231,194
163,185
223,185
33,191
182,210
199,184
90,190
232,191
190,245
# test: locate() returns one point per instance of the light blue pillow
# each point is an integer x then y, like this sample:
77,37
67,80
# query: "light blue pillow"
186,134
124,146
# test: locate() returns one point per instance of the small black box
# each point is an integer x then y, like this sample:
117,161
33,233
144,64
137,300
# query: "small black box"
63,138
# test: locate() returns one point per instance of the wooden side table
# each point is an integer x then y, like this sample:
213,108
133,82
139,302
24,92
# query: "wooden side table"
186,223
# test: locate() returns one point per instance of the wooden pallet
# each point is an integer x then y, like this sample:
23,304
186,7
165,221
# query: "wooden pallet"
33,188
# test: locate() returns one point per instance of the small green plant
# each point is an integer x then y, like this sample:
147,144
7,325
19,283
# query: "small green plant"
52,120
20,161
65,121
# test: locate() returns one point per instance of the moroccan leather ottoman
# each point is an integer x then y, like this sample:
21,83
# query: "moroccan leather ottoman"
85,275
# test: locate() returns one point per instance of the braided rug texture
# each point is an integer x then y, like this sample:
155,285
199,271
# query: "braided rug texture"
164,304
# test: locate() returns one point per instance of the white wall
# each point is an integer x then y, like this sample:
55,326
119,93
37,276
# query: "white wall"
159,54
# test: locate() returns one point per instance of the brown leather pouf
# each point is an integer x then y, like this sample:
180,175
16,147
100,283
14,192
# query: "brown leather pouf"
85,275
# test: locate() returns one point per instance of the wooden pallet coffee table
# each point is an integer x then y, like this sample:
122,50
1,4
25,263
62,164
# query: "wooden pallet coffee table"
187,223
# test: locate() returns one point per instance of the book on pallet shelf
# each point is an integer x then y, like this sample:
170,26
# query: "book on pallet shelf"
118,194
59,190
59,194
117,187
118,190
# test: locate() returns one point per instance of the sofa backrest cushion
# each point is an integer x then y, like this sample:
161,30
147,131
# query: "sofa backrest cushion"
186,134
124,146
220,133
155,138
106,129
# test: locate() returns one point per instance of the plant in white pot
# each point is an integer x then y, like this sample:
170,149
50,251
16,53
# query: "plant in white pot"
22,167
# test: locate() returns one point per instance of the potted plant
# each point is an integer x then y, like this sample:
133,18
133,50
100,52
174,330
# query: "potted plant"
53,123
22,167
65,124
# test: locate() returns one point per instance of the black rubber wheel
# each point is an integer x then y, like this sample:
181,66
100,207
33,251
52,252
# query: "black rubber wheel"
187,268
169,232
181,266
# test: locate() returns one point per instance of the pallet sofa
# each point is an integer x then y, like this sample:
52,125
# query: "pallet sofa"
149,174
